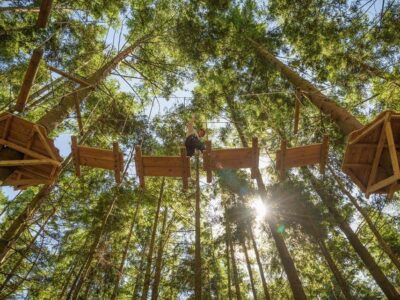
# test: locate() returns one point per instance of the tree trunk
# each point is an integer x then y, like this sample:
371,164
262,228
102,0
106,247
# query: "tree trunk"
260,267
146,282
124,255
362,252
287,261
93,250
140,271
228,266
160,251
382,243
246,254
335,270
197,256
25,252
235,271
345,120
284,254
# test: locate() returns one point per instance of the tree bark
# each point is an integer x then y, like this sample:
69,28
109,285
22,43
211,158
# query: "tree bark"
197,256
140,271
287,261
385,247
246,254
228,266
360,249
125,254
260,267
146,282
235,271
93,250
160,252
344,119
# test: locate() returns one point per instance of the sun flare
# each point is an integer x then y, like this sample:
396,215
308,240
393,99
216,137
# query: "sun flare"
260,208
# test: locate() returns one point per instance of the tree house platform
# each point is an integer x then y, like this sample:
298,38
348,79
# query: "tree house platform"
237,158
287,158
41,160
371,158
160,166
97,158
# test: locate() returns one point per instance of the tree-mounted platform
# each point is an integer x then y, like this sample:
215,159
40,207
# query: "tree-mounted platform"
160,166
287,158
40,161
97,158
372,154
237,158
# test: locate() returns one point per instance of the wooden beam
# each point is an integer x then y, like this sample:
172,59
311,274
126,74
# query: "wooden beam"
185,166
27,151
25,162
381,184
29,79
44,13
392,148
324,155
7,127
45,143
69,76
366,131
377,157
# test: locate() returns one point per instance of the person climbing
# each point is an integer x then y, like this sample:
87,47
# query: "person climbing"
193,138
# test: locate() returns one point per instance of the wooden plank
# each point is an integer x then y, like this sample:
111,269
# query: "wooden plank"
377,157
44,13
45,143
69,76
239,163
162,161
163,171
355,179
96,162
27,151
97,153
207,155
29,79
117,170
365,131
75,155
381,184
185,165
392,149
25,162
324,155
7,126
228,154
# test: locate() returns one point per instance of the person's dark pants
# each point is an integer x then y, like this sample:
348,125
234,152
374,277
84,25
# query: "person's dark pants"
192,143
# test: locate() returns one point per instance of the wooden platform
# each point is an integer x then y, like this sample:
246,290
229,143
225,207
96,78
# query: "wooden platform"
41,160
287,158
372,154
236,158
160,166
97,158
